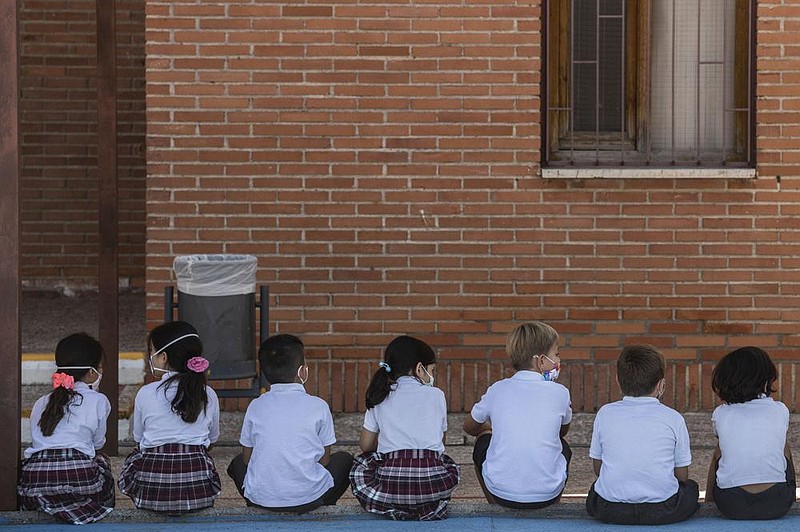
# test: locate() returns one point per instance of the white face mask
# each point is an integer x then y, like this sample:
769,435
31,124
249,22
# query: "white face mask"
430,382
95,384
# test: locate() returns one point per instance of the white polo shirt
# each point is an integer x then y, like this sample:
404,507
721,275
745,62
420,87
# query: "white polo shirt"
288,431
524,461
752,437
640,442
413,416
154,422
82,428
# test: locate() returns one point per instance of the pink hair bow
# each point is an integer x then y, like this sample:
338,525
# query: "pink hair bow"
63,380
197,364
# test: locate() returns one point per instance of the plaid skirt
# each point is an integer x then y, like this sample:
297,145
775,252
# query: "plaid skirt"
170,478
68,484
409,484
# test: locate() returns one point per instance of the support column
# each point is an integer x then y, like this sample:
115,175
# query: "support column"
10,358
108,260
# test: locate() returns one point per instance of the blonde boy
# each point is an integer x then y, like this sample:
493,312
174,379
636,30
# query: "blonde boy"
520,454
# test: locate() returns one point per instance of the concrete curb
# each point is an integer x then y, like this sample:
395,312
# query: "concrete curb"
37,368
573,509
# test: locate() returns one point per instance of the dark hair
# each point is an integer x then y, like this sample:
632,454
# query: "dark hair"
280,356
744,374
77,349
639,368
191,396
402,355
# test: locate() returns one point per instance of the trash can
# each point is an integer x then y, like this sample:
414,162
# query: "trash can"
216,294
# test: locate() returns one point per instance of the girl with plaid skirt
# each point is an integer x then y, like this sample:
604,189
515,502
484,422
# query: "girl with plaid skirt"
62,473
403,472
175,421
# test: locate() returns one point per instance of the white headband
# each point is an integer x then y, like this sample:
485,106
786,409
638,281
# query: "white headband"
178,339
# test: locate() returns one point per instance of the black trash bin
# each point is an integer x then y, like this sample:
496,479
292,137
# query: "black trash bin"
216,294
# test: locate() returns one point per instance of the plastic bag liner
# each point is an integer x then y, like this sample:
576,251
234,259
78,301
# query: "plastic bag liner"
216,275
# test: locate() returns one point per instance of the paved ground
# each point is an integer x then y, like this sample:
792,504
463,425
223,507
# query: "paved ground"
46,317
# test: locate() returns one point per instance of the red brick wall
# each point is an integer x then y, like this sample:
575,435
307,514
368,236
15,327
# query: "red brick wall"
382,161
59,142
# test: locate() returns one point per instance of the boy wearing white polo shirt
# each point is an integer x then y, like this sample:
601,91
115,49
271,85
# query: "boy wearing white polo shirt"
286,465
640,449
520,455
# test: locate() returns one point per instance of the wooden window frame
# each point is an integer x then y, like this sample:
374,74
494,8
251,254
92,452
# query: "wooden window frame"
634,140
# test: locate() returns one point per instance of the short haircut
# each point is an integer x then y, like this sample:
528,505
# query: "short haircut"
639,368
280,356
529,340
743,375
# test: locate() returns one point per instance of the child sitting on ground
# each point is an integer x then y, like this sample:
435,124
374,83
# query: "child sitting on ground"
175,421
640,449
751,474
286,463
520,455
403,472
62,473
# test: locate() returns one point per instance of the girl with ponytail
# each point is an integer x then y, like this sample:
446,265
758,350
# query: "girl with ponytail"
62,473
175,422
403,438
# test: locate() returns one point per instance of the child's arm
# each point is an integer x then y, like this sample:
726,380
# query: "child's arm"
596,465
564,430
711,481
682,473
247,452
326,457
473,428
368,441
787,452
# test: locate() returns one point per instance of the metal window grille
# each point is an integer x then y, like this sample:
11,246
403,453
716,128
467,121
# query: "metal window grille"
685,99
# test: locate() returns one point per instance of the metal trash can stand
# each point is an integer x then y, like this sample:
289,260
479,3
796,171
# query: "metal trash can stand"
216,294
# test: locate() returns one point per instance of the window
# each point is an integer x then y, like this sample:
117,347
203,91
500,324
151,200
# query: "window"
649,83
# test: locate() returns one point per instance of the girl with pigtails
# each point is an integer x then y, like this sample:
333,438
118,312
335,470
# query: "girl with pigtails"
175,421
403,472
63,474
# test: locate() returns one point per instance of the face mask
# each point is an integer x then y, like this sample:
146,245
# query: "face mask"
302,380
94,385
430,382
552,375
153,367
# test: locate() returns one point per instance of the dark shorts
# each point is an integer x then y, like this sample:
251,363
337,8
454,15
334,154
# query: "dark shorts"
338,466
479,457
679,507
772,503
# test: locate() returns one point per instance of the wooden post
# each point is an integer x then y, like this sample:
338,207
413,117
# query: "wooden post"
108,260
10,360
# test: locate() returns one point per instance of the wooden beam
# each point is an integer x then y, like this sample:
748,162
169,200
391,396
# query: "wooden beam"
10,360
108,260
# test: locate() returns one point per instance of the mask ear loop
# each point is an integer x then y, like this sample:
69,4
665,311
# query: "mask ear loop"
302,380
153,369
660,392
